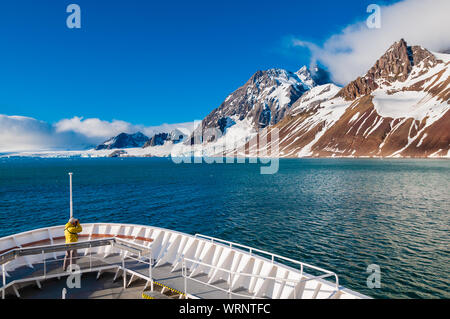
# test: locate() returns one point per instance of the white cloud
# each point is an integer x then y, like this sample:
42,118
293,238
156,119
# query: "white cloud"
18,133
96,128
93,127
355,49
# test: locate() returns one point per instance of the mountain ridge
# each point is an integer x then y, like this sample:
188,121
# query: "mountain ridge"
261,102
123,140
399,108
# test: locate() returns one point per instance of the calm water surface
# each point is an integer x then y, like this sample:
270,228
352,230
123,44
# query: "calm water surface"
342,215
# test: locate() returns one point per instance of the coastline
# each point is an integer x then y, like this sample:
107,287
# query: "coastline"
107,153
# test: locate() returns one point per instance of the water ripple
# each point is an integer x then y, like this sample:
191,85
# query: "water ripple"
342,215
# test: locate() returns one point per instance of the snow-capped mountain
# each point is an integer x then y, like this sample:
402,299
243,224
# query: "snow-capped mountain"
262,101
124,140
399,108
175,136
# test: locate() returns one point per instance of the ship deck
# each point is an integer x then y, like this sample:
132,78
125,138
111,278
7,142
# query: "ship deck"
155,261
102,278
91,288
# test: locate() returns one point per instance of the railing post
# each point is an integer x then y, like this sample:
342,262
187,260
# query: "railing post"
90,256
295,293
229,285
45,263
71,203
150,270
337,281
184,273
4,281
124,273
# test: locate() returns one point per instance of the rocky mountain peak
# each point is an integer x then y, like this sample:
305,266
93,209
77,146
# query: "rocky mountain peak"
262,101
395,65
276,77
305,76
303,70
124,140
175,136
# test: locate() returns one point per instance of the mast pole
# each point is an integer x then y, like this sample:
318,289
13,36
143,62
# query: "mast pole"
71,204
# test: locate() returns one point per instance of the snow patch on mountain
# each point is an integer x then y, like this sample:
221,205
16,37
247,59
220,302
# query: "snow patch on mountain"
409,104
314,97
411,98
326,116
236,136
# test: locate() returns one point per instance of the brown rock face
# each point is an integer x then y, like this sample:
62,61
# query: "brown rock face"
395,65
360,132
375,136
357,88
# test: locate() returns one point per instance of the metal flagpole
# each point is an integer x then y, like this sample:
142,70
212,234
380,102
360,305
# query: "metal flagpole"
71,204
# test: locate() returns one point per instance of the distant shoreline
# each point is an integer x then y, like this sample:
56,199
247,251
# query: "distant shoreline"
48,156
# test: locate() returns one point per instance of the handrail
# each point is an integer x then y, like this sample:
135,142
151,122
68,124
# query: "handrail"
19,252
42,250
140,250
273,256
233,273
184,274
114,241
238,272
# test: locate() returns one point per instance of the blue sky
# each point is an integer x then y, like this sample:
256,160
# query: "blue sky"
149,62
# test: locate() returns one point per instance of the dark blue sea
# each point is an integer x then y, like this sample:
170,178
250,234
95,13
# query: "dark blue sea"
339,214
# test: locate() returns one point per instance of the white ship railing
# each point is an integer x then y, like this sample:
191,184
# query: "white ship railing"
141,250
219,258
232,274
118,243
272,256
